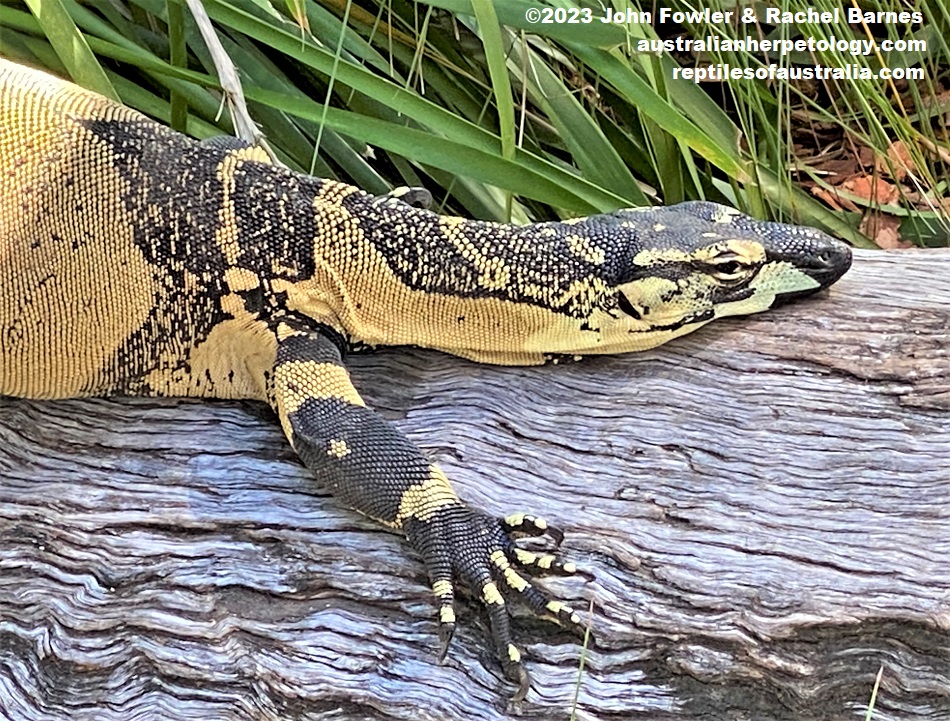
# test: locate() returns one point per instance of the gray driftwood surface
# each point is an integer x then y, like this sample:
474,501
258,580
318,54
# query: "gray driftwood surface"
764,505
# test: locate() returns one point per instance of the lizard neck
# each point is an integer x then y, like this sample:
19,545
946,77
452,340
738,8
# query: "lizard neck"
386,273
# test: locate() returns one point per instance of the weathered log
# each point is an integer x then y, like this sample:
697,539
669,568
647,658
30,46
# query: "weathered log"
764,505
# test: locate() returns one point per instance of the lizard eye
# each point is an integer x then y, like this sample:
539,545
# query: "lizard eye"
728,269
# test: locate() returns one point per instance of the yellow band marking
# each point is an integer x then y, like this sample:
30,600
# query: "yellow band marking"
515,519
559,609
422,500
446,614
520,519
335,191
297,382
514,579
226,236
442,589
526,557
514,655
491,595
254,153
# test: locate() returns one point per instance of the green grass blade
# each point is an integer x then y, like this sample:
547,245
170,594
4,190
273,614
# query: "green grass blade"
428,149
617,71
178,56
515,14
594,154
495,55
71,46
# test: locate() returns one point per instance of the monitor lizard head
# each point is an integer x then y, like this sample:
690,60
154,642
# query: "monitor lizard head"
676,268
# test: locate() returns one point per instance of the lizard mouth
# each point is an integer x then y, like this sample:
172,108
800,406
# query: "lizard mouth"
825,265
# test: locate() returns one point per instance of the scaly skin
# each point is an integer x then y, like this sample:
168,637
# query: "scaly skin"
134,260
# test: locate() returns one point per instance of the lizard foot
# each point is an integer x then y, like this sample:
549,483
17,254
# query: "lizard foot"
457,542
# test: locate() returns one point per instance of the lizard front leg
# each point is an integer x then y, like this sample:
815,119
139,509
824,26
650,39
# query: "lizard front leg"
372,467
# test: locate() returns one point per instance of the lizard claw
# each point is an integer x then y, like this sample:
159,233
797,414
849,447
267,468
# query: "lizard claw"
446,631
460,543
516,672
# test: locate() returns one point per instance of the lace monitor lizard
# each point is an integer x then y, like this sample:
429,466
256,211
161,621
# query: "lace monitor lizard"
137,261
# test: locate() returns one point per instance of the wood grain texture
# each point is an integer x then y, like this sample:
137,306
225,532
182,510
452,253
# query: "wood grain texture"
765,507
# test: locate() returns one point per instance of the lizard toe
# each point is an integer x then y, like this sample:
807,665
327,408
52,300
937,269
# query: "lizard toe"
459,544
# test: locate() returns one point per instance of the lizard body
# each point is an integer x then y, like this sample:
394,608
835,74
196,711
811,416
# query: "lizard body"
134,260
